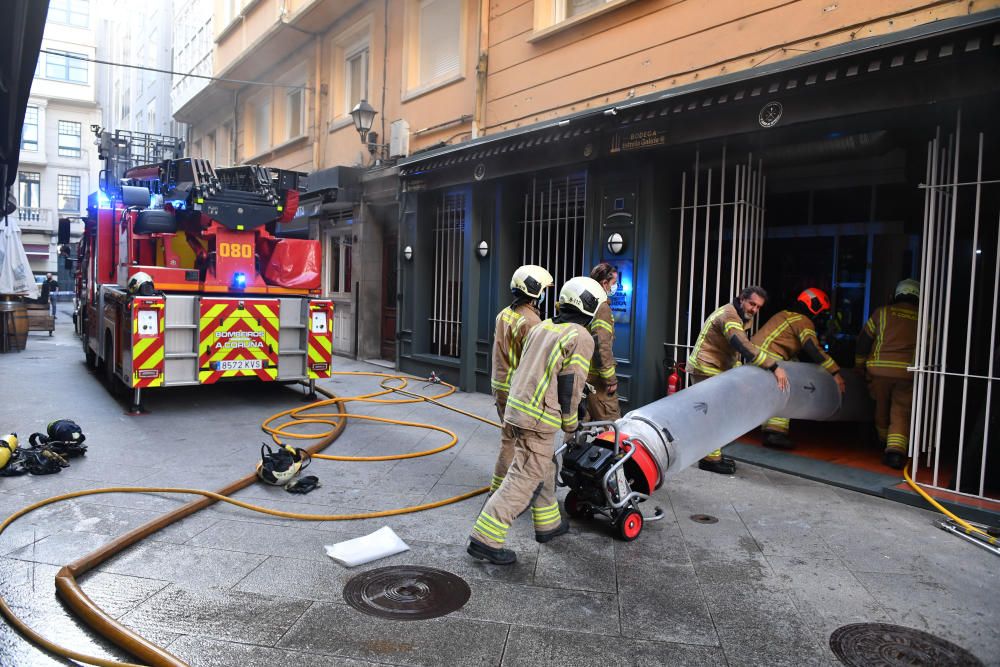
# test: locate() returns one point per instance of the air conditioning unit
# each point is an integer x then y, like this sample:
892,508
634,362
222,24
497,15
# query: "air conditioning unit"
399,138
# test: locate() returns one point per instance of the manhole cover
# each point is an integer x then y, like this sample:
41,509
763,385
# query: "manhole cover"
407,592
884,645
704,518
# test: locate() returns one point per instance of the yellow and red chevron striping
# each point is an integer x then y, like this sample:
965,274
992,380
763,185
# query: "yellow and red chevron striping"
147,342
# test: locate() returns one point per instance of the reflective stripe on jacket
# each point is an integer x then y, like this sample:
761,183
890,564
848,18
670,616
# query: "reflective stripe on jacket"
723,339
548,383
888,341
787,334
602,327
512,327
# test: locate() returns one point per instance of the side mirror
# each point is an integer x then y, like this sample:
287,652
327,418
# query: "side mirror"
135,197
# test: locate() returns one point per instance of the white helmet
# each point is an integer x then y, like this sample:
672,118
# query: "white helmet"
531,279
137,284
908,287
582,293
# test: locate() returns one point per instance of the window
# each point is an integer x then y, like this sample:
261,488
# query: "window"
68,190
69,138
340,264
439,25
66,66
355,76
293,113
29,194
552,16
565,9
29,133
262,126
70,12
449,240
151,116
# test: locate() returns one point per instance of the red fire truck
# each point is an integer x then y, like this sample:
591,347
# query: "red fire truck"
184,278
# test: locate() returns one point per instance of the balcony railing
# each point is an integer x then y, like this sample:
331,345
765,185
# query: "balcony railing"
35,219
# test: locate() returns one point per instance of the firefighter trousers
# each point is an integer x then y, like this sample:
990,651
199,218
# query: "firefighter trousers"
715,455
893,404
530,482
507,438
602,406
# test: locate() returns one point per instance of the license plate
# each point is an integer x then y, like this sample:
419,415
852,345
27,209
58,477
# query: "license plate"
240,365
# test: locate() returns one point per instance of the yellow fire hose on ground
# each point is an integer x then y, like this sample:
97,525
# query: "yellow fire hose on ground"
334,422
958,525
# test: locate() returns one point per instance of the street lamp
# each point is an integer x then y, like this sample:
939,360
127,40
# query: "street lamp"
364,115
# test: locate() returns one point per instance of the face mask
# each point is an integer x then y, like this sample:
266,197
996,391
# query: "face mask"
541,298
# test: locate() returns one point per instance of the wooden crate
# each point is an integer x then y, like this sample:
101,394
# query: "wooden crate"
40,318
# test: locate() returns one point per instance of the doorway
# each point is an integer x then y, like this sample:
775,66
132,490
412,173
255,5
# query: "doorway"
390,255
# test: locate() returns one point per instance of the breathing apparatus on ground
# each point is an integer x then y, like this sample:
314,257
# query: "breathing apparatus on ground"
37,461
63,437
280,466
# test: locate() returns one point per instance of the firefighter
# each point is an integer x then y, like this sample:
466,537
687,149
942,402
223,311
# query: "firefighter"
785,335
885,350
722,342
602,403
545,394
513,323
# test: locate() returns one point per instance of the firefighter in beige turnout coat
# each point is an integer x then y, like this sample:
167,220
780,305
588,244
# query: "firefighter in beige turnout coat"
513,324
545,394
602,403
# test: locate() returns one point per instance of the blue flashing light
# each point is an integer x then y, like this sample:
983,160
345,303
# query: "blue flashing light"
239,280
102,199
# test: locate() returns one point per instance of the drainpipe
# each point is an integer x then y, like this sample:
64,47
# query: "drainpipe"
479,114
317,104
236,124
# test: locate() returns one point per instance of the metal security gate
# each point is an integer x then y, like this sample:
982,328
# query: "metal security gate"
956,360
449,243
720,232
552,229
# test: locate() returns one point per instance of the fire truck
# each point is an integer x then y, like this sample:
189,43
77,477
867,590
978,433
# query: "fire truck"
184,277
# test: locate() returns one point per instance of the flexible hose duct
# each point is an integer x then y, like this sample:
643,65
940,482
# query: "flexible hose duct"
682,428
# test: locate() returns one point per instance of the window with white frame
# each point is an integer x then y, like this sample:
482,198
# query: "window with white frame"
68,191
29,196
29,132
65,66
565,9
355,76
70,12
340,264
294,110
69,138
438,33
262,125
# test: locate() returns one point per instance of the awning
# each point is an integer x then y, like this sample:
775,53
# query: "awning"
854,59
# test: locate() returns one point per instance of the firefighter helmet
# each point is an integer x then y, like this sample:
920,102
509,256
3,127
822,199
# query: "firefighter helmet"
815,299
280,465
531,280
140,284
908,287
582,293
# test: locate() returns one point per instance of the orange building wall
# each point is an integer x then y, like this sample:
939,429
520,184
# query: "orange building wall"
652,45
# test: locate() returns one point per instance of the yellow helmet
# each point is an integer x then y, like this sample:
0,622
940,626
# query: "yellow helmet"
582,293
908,287
531,279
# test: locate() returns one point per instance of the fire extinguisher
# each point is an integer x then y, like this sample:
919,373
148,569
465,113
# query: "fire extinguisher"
674,379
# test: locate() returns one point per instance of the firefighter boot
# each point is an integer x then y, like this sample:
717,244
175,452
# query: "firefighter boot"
477,549
562,529
777,440
894,458
723,465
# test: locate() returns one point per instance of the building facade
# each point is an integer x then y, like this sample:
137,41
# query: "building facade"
784,144
59,166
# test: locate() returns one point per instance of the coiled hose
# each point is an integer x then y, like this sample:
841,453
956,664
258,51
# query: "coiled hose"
333,424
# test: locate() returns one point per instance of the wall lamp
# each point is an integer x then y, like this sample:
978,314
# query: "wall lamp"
408,253
483,249
364,115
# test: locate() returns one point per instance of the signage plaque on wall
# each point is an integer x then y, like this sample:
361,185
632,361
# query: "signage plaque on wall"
632,140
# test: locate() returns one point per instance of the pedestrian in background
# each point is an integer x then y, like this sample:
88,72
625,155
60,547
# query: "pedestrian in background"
51,286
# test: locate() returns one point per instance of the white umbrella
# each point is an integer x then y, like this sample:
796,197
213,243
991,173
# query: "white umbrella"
15,272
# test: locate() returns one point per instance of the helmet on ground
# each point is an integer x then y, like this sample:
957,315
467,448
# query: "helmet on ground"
815,299
583,294
140,284
279,466
531,280
908,287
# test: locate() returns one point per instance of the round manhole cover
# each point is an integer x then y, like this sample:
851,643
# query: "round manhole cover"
407,592
704,518
884,645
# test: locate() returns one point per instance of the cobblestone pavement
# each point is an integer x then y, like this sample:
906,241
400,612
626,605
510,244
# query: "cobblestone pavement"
788,562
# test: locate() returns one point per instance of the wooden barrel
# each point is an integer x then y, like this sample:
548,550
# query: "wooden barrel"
13,325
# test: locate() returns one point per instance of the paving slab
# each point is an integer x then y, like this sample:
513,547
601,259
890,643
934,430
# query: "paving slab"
554,648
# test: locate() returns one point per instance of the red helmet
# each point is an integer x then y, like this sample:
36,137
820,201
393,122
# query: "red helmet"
815,299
